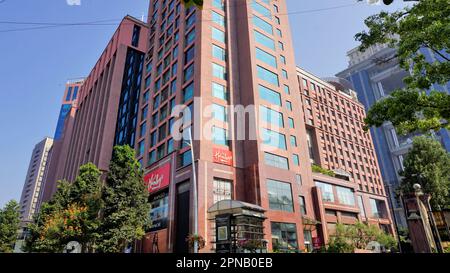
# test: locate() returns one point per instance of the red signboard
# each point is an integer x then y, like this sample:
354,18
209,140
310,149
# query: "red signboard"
158,179
222,156
317,242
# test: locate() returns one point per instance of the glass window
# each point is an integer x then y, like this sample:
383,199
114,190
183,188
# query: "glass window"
218,35
69,93
296,159
291,122
274,139
289,105
188,92
222,190
141,147
185,158
361,206
302,203
276,161
327,191
293,141
271,116
267,76
261,9
219,71
269,95
189,72
266,57
218,18
264,40
263,25
284,236
345,196
170,147
189,55
280,195
219,136
218,52
219,91
190,37
218,4
219,112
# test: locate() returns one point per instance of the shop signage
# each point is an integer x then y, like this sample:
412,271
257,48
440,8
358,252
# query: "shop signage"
317,243
223,233
158,179
222,156
159,210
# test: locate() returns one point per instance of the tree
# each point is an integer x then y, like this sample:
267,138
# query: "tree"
71,215
348,238
425,25
428,164
126,209
189,3
9,226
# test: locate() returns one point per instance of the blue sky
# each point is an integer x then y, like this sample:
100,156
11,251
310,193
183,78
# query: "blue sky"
35,64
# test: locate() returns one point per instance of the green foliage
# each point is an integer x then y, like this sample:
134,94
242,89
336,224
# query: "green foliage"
189,3
318,169
71,215
350,237
9,226
425,25
125,196
428,164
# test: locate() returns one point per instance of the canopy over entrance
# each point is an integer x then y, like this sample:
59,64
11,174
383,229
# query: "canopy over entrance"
235,208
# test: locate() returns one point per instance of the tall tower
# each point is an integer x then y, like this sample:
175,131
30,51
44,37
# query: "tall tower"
227,54
33,186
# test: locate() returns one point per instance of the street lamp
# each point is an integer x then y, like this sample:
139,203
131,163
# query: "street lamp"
194,191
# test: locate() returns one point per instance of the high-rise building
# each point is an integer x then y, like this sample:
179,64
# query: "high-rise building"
106,108
375,74
70,97
231,64
63,133
36,174
337,141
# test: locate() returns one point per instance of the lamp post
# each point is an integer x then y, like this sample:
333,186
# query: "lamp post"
194,191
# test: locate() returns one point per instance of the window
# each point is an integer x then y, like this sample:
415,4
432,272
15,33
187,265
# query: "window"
280,195
267,76
302,203
218,52
274,139
185,158
218,35
293,141
222,190
263,25
271,116
219,112
377,207
284,236
269,95
190,37
266,57
75,92
291,122
345,196
261,9
189,55
219,91
289,105
218,18
361,206
264,40
218,4
170,146
276,161
69,93
219,71
327,191
189,73
296,160
219,136
188,92
152,157
141,148
143,129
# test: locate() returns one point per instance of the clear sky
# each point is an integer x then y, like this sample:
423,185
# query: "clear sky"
35,64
